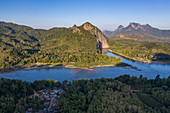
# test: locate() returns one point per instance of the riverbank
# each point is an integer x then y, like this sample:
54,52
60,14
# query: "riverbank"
133,59
89,68
37,66
31,67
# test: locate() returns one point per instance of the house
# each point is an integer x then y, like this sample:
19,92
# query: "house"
41,111
55,99
61,91
45,96
54,103
29,110
42,99
40,91
52,92
45,109
48,98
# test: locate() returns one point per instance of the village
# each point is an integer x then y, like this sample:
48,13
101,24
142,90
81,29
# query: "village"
49,98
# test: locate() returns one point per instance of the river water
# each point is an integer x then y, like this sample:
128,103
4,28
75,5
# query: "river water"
147,70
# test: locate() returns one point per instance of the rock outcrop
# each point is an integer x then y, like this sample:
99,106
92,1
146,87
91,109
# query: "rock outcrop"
101,38
75,29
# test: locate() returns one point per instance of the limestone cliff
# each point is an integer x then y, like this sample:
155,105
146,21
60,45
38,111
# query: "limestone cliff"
101,38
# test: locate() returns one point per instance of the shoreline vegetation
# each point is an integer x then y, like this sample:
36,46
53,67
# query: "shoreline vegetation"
36,66
83,62
141,51
133,59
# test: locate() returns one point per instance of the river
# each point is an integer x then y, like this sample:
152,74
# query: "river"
147,70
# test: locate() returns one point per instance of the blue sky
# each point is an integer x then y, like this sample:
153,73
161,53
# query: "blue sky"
105,14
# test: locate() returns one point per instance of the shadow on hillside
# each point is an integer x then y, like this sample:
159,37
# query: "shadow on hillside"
161,57
125,65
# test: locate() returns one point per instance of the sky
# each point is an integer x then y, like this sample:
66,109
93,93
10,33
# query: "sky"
105,14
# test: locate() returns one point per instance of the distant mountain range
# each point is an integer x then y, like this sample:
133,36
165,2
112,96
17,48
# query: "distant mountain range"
135,28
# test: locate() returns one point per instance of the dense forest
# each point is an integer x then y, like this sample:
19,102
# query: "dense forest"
141,50
24,46
123,94
14,94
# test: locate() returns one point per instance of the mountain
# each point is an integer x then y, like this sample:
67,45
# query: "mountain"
134,28
108,33
119,28
101,38
22,44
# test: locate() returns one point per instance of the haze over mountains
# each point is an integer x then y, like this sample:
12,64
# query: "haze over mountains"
135,28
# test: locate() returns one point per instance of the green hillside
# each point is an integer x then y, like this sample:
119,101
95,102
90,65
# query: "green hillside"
21,45
141,50
16,44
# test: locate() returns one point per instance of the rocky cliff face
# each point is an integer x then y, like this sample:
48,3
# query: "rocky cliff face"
101,38
75,29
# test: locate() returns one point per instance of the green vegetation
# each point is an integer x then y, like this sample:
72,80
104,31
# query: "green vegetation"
122,94
138,50
24,46
14,94
144,37
80,59
149,100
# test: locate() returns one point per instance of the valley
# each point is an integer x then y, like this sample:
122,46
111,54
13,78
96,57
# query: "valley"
77,46
86,65
84,56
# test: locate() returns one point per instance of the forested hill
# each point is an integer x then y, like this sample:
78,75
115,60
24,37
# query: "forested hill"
20,45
